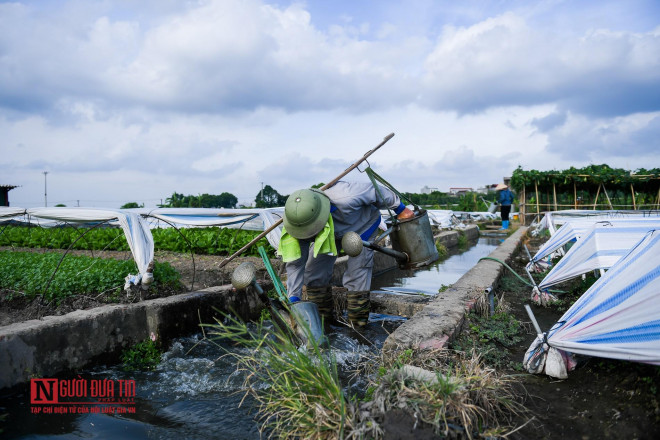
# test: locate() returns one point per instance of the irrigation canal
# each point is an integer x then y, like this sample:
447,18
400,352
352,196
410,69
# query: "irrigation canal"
195,392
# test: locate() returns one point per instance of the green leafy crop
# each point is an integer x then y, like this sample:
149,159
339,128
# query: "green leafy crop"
28,273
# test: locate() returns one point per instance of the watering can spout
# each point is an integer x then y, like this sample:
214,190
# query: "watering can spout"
306,323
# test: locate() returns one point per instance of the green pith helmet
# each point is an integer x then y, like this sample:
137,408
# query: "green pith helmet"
306,212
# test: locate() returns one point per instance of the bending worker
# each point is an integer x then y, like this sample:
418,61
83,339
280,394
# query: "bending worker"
505,199
314,223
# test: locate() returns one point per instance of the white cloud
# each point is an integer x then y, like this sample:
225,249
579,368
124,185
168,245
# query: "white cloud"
504,61
147,98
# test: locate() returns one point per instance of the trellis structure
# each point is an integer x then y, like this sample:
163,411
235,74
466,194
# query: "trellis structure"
597,187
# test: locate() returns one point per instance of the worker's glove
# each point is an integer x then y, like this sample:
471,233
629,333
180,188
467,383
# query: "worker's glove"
405,214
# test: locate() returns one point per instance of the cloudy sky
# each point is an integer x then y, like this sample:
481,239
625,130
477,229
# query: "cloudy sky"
123,100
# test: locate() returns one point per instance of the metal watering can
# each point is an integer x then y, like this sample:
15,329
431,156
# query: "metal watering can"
304,322
413,245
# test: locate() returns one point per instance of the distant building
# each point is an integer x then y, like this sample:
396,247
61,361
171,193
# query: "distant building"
4,194
458,191
427,190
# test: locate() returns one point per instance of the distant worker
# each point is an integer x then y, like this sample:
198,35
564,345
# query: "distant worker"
317,220
505,199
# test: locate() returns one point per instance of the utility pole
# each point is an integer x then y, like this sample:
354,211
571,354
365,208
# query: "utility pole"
262,193
45,189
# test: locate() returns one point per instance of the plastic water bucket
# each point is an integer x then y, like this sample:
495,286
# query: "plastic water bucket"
414,237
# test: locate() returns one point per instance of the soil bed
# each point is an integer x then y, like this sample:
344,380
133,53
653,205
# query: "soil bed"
601,399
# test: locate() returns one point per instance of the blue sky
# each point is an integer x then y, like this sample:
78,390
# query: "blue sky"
130,101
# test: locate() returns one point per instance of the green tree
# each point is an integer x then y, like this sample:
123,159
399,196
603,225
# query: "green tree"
130,205
224,200
269,198
174,201
227,200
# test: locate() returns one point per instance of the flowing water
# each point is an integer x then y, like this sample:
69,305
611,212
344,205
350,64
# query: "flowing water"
196,392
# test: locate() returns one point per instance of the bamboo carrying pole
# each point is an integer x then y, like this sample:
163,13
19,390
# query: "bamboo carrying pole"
323,188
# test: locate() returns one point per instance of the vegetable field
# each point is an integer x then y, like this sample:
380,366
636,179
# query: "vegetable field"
28,274
205,241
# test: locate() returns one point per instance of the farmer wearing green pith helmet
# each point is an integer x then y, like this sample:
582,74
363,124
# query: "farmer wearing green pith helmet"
314,223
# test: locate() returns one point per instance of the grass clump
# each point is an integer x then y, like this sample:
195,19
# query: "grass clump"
443,253
491,334
303,397
144,355
453,392
462,240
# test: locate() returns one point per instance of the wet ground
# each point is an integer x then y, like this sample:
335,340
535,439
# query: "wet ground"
601,399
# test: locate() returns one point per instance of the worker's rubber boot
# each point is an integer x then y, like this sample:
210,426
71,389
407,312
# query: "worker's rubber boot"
505,224
322,297
358,307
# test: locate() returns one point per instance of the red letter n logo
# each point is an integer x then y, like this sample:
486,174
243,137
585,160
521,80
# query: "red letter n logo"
43,391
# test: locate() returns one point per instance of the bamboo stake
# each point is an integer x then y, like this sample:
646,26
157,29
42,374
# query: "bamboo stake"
657,205
607,195
536,188
523,205
574,196
554,193
596,201
632,190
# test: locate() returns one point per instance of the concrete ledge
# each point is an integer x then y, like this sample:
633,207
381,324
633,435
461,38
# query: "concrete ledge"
55,344
397,305
450,238
441,320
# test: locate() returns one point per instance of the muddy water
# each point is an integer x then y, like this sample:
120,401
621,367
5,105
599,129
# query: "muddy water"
195,392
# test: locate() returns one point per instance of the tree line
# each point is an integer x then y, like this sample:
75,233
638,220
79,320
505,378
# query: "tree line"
269,197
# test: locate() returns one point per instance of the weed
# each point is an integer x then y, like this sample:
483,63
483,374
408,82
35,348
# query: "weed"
303,397
455,393
489,335
144,355
443,253
443,288
462,241
265,315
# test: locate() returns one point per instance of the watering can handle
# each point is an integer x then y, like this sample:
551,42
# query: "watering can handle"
323,188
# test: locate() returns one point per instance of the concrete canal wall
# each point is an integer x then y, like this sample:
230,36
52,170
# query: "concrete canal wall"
57,344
